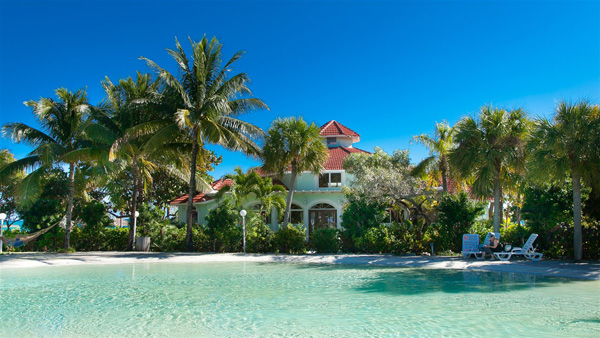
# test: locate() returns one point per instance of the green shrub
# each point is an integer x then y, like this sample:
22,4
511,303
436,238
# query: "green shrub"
259,237
291,239
456,216
223,228
403,240
115,239
560,240
200,239
359,216
326,240
376,240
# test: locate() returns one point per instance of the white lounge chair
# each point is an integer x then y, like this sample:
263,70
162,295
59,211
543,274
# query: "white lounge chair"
486,241
470,245
526,251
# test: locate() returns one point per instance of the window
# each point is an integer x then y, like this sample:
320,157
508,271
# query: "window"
330,180
296,214
331,140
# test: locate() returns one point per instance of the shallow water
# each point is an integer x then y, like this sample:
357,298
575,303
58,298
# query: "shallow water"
254,299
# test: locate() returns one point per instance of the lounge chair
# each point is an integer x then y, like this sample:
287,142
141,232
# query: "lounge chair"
470,245
479,253
526,251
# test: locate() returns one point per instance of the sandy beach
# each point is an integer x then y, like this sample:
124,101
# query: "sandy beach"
555,268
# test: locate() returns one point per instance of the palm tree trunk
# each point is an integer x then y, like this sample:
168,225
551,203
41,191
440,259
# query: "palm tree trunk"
191,192
132,218
501,205
497,192
577,240
70,205
445,174
288,203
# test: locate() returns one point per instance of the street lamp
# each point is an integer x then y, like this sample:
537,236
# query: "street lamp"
243,214
134,225
2,218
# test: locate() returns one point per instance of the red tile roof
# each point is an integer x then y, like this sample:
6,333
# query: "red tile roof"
199,198
333,127
337,155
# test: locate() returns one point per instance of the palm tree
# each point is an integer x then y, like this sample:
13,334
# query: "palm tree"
270,196
137,138
242,186
440,145
211,103
568,146
489,149
60,141
292,144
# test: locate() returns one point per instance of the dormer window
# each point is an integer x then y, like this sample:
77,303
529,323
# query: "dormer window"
331,140
330,180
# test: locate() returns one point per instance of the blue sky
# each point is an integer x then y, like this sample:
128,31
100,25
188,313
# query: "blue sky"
387,69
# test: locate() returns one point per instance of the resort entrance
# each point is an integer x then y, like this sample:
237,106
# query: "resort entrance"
320,216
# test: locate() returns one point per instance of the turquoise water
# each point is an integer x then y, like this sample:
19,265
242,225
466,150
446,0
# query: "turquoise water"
253,299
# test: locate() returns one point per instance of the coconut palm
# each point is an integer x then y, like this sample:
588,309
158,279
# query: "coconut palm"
440,145
136,136
489,149
567,146
292,144
211,103
60,141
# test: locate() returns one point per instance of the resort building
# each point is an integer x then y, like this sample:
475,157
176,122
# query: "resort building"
318,200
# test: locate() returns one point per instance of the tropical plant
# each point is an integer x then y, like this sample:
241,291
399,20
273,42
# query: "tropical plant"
440,145
291,239
490,149
566,146
292,144
210,104
270,196
136,136
60,141
457,214
243,184
8,187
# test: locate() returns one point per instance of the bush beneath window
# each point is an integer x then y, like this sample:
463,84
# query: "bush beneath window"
291,239
326,240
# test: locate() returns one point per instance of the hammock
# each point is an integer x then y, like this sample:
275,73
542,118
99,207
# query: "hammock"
24,239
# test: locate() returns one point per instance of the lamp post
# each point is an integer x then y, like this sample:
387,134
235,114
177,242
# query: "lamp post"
243,214
135,216
2,218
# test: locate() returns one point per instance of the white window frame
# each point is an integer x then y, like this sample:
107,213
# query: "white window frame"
329,184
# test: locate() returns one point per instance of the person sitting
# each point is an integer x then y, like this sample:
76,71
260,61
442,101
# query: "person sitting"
494,246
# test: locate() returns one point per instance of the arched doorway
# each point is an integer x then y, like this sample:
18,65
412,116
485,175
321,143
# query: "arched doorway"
320,216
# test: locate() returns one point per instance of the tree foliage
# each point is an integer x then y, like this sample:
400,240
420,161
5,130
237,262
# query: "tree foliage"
210,103
490,150
293,145
382,178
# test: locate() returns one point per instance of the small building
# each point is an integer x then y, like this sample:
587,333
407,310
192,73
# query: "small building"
318,200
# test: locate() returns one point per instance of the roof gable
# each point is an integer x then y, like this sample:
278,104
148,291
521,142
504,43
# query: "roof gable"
334,128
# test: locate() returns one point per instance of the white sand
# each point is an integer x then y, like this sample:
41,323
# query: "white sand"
586,270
